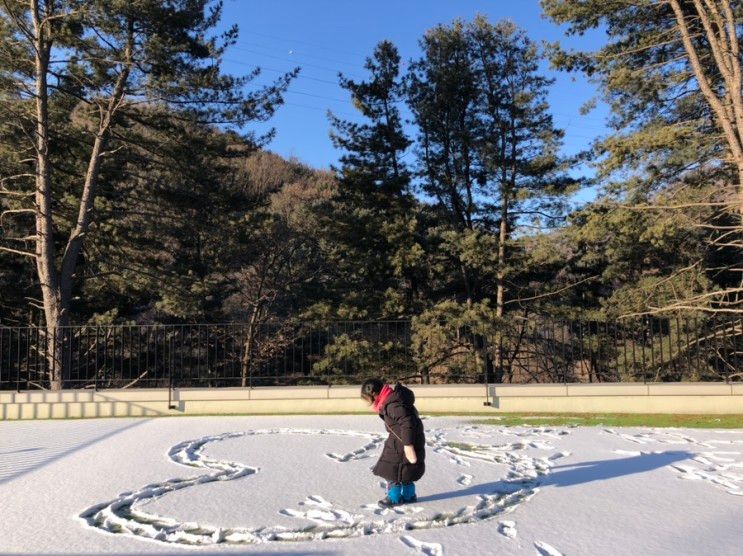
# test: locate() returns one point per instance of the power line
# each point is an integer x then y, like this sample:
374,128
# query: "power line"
335,70
322,109
403,103
348,101
568,135
274,37
300,76
283,58
293,52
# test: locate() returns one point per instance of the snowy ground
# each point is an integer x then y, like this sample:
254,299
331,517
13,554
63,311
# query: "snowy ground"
298,485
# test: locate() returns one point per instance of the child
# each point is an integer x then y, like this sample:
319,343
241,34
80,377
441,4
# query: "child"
402,459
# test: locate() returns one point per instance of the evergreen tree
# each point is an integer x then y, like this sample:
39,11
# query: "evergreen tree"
112,60
488,157
370,222
488,151
521,166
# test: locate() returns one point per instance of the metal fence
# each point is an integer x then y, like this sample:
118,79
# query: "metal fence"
343,352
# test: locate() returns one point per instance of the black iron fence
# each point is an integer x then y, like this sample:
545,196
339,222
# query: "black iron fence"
514,351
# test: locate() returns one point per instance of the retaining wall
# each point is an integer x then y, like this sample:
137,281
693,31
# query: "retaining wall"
692,398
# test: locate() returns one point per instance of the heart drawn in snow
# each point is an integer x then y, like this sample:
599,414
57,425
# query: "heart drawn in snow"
125,515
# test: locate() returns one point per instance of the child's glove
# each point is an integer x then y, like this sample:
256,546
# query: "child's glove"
410,453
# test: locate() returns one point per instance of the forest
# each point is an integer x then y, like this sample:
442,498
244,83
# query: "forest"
133,194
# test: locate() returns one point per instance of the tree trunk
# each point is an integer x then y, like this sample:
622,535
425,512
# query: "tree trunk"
248,345
725,102
56,285
500,275
467,282
55,303
56,344
247,358
500,285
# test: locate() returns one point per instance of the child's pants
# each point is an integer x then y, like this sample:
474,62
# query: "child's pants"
401,492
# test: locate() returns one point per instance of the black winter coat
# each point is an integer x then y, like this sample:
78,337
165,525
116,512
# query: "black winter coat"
405,427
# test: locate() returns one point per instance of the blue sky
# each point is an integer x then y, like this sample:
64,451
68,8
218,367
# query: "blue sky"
324,37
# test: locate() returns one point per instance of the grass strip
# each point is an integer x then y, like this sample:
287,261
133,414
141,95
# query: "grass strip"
618,420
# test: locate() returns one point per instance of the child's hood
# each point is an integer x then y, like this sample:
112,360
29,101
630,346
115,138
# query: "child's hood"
404,394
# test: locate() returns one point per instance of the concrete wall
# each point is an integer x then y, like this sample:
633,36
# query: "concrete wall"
682,397
702,398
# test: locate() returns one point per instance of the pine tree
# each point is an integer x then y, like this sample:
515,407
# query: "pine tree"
488,157
371,223
113,60
487,148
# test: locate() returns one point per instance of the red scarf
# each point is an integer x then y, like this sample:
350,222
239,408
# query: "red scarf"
382,397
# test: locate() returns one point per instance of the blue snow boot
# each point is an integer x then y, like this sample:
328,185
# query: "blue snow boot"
394,496
408,493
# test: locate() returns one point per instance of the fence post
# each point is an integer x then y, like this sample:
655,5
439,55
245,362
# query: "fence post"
95,366
170,374
486,370
18,362
645,338
248,346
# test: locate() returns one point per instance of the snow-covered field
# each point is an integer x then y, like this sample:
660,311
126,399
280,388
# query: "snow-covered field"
297,485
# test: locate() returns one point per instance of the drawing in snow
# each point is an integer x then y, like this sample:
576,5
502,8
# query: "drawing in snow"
125,514
524,490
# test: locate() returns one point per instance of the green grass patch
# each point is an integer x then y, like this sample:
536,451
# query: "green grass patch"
619,420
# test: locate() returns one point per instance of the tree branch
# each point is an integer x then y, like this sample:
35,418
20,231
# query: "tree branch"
551,293
17,252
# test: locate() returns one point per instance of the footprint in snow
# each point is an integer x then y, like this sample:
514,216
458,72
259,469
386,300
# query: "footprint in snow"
420,547
718,475
397,510
541,445
464,479
544,549
507,529
321,511
316,500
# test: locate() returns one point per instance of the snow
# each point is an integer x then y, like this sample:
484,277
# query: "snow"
299,485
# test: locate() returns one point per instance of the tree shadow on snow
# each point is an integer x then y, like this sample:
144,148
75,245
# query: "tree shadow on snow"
235,551
571,474
28,460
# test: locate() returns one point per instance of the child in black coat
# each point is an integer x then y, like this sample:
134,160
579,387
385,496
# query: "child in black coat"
403,457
